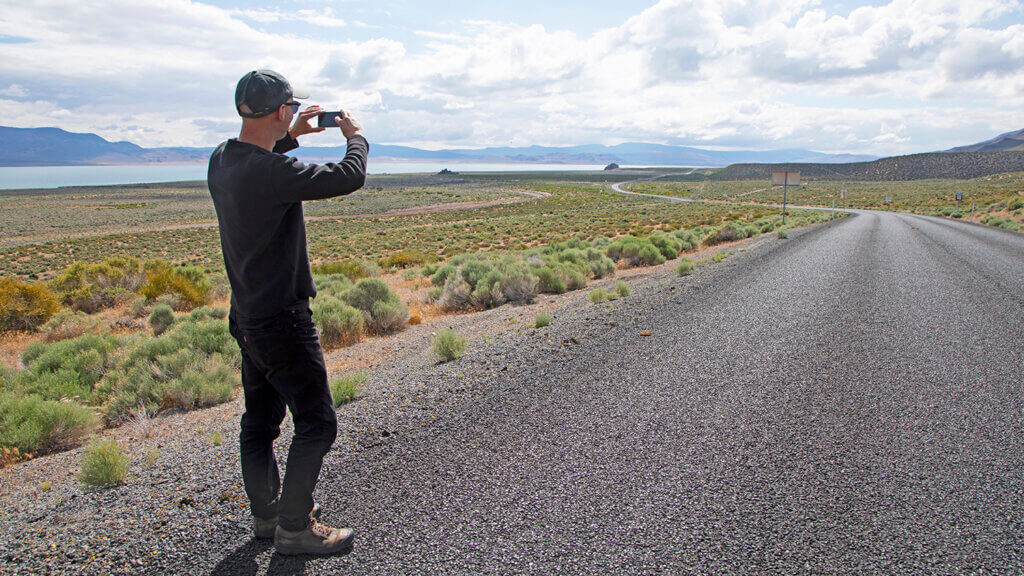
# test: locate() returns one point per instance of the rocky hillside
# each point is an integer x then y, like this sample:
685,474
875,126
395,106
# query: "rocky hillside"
956,165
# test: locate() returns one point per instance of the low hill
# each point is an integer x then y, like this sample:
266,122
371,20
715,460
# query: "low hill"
1011,141
955,165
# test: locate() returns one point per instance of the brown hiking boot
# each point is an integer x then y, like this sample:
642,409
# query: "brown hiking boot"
317,538
263,528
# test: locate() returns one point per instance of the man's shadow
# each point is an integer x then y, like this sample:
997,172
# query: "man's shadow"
243,561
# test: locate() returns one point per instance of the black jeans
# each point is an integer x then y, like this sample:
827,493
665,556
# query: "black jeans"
283,365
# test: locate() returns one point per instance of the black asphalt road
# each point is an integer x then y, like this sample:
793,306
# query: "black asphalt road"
848,401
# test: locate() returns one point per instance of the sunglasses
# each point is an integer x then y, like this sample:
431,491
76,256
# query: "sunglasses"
295,106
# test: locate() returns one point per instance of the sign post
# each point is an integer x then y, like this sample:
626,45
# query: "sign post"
785,178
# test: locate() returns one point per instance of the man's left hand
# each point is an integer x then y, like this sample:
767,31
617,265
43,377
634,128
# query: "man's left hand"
301,125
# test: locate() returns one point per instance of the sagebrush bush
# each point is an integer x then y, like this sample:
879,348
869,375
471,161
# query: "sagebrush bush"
449,345
541,320
621,289
406,259
382,311
635,251
103,464
208,313
187,282
339,324
684,267
91,287
34,425
727,233
441,275
70,323
387,316
25,306
346,388
599,295
667,244
139,307
353,269
161,319
336,285
68,368
193,364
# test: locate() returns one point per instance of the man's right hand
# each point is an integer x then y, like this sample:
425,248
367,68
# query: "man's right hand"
349,125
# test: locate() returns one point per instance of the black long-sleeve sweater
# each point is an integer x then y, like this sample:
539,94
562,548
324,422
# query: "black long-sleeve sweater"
258,196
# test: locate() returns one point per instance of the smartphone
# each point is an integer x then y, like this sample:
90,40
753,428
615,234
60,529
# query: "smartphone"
326,119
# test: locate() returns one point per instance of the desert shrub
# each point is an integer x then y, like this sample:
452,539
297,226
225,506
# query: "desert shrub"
518,283
125,390
345,388
382,310
68,368
668,245
208,313
429,269
433,294
187,282
354,269
70,323
173,300
449,345
635,251
541,320
751,230
599,295
684,267
410,274
192,365
456,293
91,287
548,282
621,289
139,307
782,234
574,277
103,464
161,319
210,383
335,285
32,424
600,265
25,306
487,292
387,317
406,259
721,256
727,233
687,240
367,292
441,275
339,323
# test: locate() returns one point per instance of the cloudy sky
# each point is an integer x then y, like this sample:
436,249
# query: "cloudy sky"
871,77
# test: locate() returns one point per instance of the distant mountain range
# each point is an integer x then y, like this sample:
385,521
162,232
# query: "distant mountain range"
56,147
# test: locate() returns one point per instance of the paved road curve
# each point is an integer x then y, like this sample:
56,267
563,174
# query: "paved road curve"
849,401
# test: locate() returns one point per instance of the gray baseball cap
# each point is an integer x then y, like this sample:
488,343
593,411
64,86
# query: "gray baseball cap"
261,92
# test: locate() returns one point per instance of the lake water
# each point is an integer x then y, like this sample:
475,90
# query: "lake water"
55,176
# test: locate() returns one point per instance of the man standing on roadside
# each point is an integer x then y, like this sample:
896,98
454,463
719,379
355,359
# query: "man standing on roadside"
258,193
